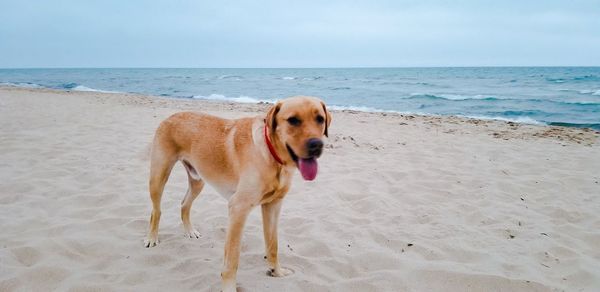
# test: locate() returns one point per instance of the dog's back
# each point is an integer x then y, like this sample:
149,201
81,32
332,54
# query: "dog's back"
182,129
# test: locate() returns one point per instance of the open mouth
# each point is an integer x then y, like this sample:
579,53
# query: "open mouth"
292,153
308,166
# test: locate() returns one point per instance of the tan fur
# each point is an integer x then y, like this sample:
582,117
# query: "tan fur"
232,156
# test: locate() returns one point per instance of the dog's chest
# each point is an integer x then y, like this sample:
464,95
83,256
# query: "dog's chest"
278,188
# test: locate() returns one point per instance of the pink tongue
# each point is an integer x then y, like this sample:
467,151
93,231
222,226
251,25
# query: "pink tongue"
308,168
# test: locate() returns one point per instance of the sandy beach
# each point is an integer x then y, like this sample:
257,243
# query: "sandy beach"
401,203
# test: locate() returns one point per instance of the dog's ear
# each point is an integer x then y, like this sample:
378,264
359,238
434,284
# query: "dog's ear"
327,119
271,119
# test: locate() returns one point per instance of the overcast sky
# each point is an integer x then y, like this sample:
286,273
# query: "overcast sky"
171,33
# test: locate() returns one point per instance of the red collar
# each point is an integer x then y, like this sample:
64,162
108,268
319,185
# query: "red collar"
271,148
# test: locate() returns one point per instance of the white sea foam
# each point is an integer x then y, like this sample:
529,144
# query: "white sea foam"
247,99
520,120
588,91
464,97
454,96
288,78
85,88
359,109
33,85
234,77
21,84
240,99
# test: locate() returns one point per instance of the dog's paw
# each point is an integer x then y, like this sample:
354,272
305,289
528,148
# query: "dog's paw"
280,272
192,233
151,242
229,287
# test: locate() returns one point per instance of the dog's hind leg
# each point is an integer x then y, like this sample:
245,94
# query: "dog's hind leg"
160,169
194,189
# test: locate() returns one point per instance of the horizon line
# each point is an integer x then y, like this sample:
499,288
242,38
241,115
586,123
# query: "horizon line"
325,67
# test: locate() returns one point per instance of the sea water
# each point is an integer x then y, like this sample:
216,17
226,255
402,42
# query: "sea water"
568,96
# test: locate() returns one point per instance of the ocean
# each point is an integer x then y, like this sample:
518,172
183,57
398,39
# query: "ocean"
565,96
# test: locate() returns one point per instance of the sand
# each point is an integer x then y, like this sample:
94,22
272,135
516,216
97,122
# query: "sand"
401,203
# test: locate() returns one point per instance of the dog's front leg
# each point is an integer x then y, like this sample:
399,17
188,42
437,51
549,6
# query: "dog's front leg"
238,212
270,215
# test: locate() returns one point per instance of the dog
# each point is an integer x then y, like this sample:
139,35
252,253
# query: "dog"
249,161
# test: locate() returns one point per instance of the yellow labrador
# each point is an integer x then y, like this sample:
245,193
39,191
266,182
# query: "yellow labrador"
250,161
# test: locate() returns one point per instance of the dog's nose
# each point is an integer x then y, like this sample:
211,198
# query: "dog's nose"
314,146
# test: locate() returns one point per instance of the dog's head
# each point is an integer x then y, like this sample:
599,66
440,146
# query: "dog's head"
298,125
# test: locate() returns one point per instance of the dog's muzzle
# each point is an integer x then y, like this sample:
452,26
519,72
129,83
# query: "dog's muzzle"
314,147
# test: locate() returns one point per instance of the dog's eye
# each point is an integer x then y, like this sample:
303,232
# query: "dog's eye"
320,119
294,121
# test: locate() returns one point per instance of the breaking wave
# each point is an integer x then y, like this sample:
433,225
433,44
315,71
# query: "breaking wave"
240,99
